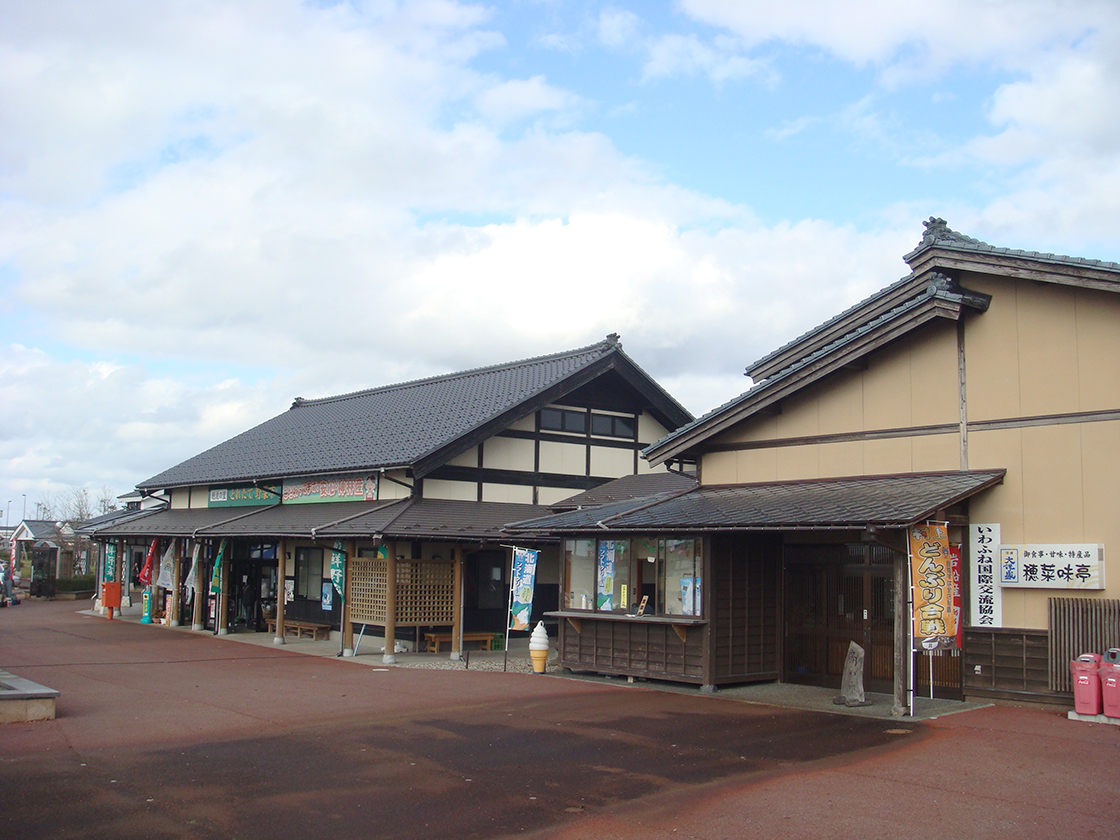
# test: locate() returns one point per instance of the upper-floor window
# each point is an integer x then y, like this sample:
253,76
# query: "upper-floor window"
608,425
564,420
575,421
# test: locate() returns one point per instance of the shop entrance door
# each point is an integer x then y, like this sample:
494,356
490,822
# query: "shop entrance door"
836,594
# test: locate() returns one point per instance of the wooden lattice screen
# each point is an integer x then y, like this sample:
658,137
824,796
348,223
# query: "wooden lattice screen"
367,590
425,592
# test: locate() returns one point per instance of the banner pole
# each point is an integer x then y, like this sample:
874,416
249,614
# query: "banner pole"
509,617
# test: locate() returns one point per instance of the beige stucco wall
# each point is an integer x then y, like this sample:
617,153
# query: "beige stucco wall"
466,459
1061,487
551,495
564,458
200,497
913,381
1039,350
438,488
507,493
1042,349
611,462
180,498
500,453
387,489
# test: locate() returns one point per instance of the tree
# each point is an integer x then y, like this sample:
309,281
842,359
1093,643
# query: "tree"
106,501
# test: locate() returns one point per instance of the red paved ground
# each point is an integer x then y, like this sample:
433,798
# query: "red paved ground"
178,735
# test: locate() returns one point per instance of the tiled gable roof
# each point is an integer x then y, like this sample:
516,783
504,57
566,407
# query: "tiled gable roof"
938,234
399,425
931,291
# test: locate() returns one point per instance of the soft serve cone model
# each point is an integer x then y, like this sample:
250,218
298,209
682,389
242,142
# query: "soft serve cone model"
538,647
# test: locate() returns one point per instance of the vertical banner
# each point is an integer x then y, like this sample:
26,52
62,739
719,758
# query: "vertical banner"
521,588
955,551
931,579
216,577
605,591
986,598
193,582
338,567
166,576
110,562
146,570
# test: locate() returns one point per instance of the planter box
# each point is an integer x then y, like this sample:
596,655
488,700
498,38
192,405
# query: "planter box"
79,595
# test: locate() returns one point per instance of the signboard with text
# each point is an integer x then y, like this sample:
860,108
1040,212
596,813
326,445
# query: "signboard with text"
931,580
985,595
1057,566
330,489
245,496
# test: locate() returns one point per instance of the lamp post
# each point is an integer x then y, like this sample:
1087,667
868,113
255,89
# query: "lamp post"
25,506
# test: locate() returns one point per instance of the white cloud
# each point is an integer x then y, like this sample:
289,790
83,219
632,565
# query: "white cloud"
619,27
910,37
519,98
721,61
327,199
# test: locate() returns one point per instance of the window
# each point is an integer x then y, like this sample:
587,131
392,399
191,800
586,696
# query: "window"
564,420
309,573
607,425
614,575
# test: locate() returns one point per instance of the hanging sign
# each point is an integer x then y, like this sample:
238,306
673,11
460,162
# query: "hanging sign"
931,581
1073,566
338,567
986,596
605,591
193,581
111,562
216,578
166,578
522,583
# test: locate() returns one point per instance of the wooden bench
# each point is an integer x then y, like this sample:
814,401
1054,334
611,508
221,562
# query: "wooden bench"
299,628
485,640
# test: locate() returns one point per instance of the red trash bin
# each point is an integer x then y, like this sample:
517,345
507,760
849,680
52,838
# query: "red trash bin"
1086,684
1109,675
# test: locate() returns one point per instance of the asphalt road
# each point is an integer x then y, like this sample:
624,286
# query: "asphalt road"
171,734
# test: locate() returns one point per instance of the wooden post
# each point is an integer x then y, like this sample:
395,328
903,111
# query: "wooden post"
197,622
176,580
281,589
223,593
457,605
347,624
389,658
902,651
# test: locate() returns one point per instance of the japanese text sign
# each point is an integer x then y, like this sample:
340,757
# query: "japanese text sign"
931,580
1052,566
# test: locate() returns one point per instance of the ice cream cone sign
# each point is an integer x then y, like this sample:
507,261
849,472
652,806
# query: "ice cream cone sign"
538,648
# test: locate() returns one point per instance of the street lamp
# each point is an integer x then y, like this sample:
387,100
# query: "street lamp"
25,506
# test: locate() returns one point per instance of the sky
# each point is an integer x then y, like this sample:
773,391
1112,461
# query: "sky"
209,208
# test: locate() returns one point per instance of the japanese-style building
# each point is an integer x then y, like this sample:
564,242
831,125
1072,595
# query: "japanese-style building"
978,398
401,491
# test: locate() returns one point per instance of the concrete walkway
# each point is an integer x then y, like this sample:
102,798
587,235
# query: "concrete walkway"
370,652
173,734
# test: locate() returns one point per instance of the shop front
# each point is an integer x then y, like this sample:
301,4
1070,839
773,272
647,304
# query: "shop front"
727,585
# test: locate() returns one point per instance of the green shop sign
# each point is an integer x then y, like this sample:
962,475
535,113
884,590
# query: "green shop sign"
244,496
